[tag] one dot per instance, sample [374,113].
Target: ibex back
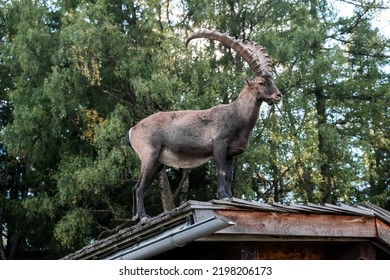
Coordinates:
[187,139]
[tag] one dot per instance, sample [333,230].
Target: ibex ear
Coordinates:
[249,82]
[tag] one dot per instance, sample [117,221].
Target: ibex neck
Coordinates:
[248,107]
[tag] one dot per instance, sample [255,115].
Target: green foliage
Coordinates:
[74,230]
[76,75]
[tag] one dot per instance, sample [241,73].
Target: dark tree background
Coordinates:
[76,75]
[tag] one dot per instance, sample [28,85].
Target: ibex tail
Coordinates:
[128,139]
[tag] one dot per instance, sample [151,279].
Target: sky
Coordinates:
[381,20]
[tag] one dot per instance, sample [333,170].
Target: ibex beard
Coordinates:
[190,138]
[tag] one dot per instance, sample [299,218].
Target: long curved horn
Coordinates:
[254,54]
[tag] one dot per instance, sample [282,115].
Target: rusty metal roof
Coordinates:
[364,209]
[193,212]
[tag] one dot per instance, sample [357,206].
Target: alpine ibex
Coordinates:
[187,139]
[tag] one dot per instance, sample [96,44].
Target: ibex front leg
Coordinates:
[229,177]
[219,153]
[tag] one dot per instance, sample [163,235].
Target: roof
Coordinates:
[239,220]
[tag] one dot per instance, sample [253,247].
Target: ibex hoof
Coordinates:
[144,219]
[224,196]
[135,218]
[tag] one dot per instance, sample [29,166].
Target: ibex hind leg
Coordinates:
[134,208]
[148,173]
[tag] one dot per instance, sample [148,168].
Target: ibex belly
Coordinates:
[177,160]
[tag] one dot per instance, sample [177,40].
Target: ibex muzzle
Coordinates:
[187,139]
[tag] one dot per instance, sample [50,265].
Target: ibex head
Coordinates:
[265,89]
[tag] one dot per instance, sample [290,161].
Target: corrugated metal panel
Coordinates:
[235,202]
[306,208]
[381,213]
